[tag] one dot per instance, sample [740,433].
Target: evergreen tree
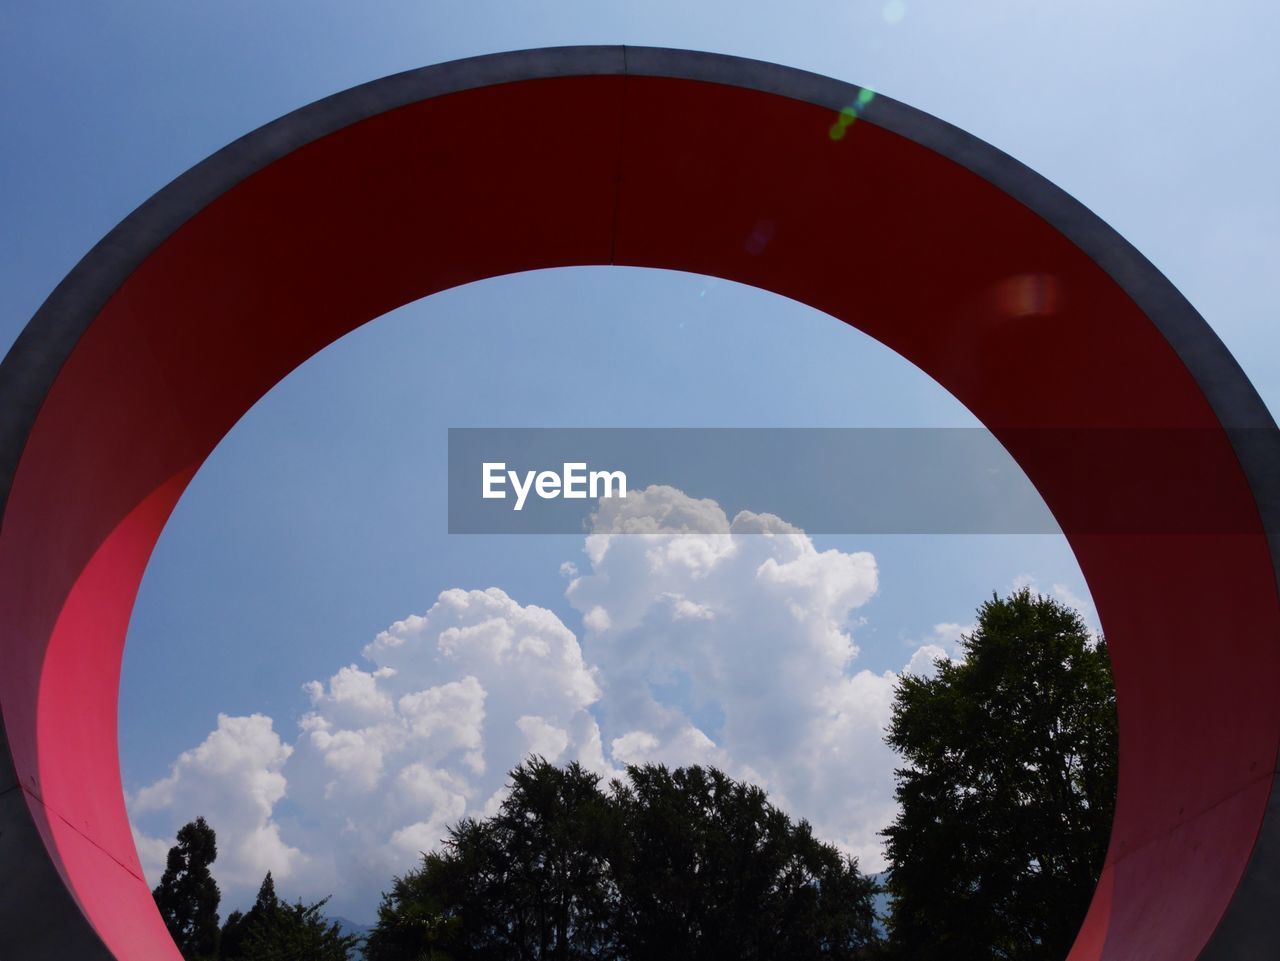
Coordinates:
[1008,791]
[296,932]
[239,925]
[187,895]
[273,930]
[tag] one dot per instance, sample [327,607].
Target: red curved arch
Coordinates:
[902,226]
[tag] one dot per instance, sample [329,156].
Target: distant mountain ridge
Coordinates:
[351,927]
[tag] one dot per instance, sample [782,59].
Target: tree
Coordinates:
[298,931]
[664,864]
[272,930]
[710,869]
[187,895]
[1007,795]
[530,882]
[239,925]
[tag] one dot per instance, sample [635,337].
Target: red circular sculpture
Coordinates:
[1022,304]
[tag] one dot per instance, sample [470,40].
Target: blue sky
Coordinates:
[317,528]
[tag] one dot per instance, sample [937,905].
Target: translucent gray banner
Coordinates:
[851,480]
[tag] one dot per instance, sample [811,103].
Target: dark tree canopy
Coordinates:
[1005,801]
[273,930]
[187,895]
[710,869]
[1008,790]
[663,865]
[239,925]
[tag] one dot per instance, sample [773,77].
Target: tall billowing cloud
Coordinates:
[726,641]
[234,779]
[448,702]
[704,639]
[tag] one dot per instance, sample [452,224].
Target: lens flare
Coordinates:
[1028,295]
[759,237]
[848,116]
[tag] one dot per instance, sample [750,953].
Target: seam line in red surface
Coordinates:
[128,870]
[617,171]
[1264,776]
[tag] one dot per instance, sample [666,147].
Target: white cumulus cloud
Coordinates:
[234,779]
[705,640]
[728,642]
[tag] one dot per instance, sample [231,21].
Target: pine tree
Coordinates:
[298,931]
[235,933]
[187,895]
[273,930]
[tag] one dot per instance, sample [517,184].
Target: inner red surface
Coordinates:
[919,253]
